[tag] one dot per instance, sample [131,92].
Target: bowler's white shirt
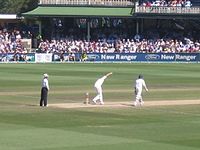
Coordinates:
[100,81]
[45,83]
[139,83]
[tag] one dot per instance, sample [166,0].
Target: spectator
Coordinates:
[188,3]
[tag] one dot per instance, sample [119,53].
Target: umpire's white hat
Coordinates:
[46,75]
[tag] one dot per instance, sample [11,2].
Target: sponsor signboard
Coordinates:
[141,57]
[27,44]
[66,57]
[111,57]
[101,57]
[43,58]
[17,57]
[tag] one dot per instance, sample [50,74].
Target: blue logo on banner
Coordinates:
[152,57]
[92,57]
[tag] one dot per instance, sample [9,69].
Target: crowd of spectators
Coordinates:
[168,3]
[11,41]
[134,45]
[169,40]
[152,42]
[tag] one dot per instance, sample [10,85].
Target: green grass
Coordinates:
[26,126]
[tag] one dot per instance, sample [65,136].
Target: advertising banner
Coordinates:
[111,57]
[66,57]
[141,57]
[43,58]
[17,57]
[27,44]
[100,57]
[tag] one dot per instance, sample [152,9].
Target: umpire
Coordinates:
[44,90]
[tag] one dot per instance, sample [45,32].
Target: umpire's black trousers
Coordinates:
[44,93]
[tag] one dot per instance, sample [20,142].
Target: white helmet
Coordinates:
[46,75]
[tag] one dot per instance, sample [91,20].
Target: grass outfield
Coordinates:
[26,126]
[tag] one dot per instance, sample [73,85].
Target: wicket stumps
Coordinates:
[86,98]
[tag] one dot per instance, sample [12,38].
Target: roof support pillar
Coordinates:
[88,30]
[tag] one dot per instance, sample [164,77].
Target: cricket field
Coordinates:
[24,125]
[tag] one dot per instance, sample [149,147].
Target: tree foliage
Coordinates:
[17,6]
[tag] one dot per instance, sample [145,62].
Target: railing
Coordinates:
[168,10]
[124,3]
[89,2]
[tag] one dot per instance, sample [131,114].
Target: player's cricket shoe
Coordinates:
[101,103]
[141,103]
[94,102]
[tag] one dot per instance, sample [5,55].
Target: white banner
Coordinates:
[42,58]
[27,44]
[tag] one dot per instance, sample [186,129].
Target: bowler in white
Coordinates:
[139,84]
[98,87]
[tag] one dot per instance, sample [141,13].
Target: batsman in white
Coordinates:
[139,84]
[98,87]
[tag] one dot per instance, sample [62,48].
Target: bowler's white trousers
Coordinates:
[99,95]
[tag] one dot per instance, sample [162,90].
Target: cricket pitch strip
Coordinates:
[126,104]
